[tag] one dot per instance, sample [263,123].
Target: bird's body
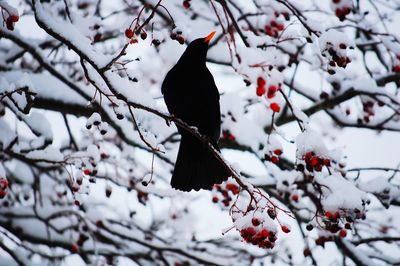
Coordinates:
[190,94]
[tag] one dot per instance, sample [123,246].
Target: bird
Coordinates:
[190,94]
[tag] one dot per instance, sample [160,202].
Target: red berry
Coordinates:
[278,152]
[320,241]
[342,46]
[261,82]
[13,18]
[306,252]
[295,197]
[396,68]
[268,30]
[285,229]
[286,15]
[255,222]
[272,91]
[180,39]
[343,233]
[314,161]
[274,23]
[260,91]
[143,35]
[134,40]
[328,215]
[232,187]
[129,33]
[275,107]
[308,156]
[97,37]
[86,172]
[3,193]
[3,183]
[271,212]
[215,199]
[77,203]
[186,4]
[99,223]
[274,159]
[336,1]
[335,216]
[74,248]
[280,27]
[327,162]
[10,25]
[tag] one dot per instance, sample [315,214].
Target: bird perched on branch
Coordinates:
[190,94]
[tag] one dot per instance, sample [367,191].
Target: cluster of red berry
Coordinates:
[11,20]
[273,156]
[368,108]
[337,57]
[342,8]
[275,26]
[130,35]
[337,223]
[262,88]
[313,162]
[3,187]
[332,224]
[262,238]
[259,233]
[226,192]
[178,36]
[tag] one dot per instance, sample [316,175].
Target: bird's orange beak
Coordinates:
[209,37]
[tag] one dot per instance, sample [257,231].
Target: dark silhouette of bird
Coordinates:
[191,95]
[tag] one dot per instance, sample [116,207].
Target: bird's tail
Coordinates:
[196,167]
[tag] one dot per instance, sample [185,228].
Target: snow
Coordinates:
[310,140]
[72,34]
[39,124]
[49,154]
[334,187]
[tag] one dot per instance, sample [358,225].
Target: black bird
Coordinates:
[190,94]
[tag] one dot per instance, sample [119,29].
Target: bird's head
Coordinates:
[197,50]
